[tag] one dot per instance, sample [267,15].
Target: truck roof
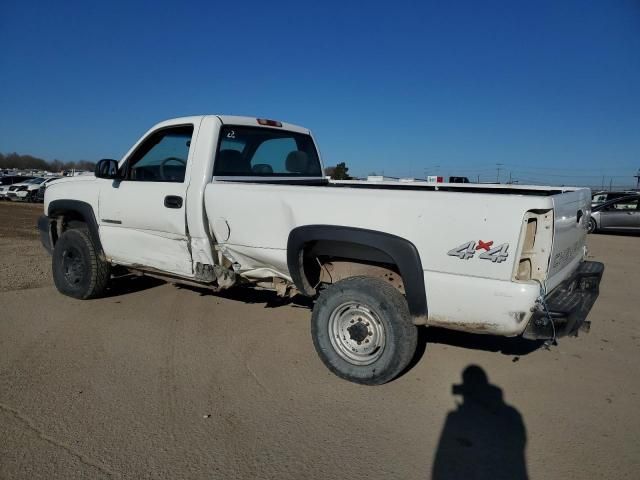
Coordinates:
[230,120]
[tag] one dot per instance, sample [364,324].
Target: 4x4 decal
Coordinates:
[468,250]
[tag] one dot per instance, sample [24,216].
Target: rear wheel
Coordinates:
[362,330]
[593,226]
[78,271]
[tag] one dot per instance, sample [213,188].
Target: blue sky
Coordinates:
[549,89]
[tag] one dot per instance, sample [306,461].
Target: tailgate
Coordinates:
[571,212]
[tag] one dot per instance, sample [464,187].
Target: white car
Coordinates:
[7,181]
[220,201]
[31,184]
[28,190]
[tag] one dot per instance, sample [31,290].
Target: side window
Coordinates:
[162,157]
[631,204]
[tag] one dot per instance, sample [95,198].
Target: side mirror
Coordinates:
[107,168]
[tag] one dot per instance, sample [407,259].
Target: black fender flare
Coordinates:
[404,254]
[82,209]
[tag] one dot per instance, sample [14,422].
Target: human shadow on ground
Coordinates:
[483,438]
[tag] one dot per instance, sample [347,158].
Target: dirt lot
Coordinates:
[23,262]
[158,381]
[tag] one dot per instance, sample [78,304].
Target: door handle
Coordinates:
[173,201]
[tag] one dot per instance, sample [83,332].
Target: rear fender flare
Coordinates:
[403,253]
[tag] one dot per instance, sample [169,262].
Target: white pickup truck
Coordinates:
[222,201]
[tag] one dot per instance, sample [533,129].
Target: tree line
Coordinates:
[29,162]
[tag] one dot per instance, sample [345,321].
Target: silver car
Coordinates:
[621,214]
[599,198]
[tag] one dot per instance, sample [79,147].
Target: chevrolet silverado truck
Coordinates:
[222,201]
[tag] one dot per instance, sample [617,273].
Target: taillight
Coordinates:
[269,123]
[536,237]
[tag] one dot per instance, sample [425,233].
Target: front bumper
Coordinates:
[568,305]
[44,227]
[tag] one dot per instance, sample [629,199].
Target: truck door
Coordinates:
[142,217]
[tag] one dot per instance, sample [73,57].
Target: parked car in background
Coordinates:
[24,190]
[599,198]
[9,180]
[620,214]
[39,195]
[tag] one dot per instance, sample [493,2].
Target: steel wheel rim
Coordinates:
[72,265]
[357,334]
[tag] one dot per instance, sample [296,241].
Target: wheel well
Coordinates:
[65,214]
[64,220]
[327,261]
[368,252]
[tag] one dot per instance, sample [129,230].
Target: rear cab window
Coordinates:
[265,153]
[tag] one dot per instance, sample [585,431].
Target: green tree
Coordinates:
[339,172]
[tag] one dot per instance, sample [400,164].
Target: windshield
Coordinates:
[265,152]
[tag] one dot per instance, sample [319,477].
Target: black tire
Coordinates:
[78,271]
[593,226]
[369,306]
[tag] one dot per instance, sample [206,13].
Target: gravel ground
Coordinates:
[160,382]
[24,263]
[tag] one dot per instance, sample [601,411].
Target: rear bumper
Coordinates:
[567,305]
[44,227]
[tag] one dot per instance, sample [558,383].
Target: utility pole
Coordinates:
[637,175]
[498,166]
[510,182]
[610,182]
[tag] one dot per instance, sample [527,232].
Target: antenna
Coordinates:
[498,168]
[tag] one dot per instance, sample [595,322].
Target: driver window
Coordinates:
[162,157]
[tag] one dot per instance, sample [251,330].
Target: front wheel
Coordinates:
[362,330]
[78,270]
[593,226]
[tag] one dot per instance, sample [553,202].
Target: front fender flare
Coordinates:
[82,209]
